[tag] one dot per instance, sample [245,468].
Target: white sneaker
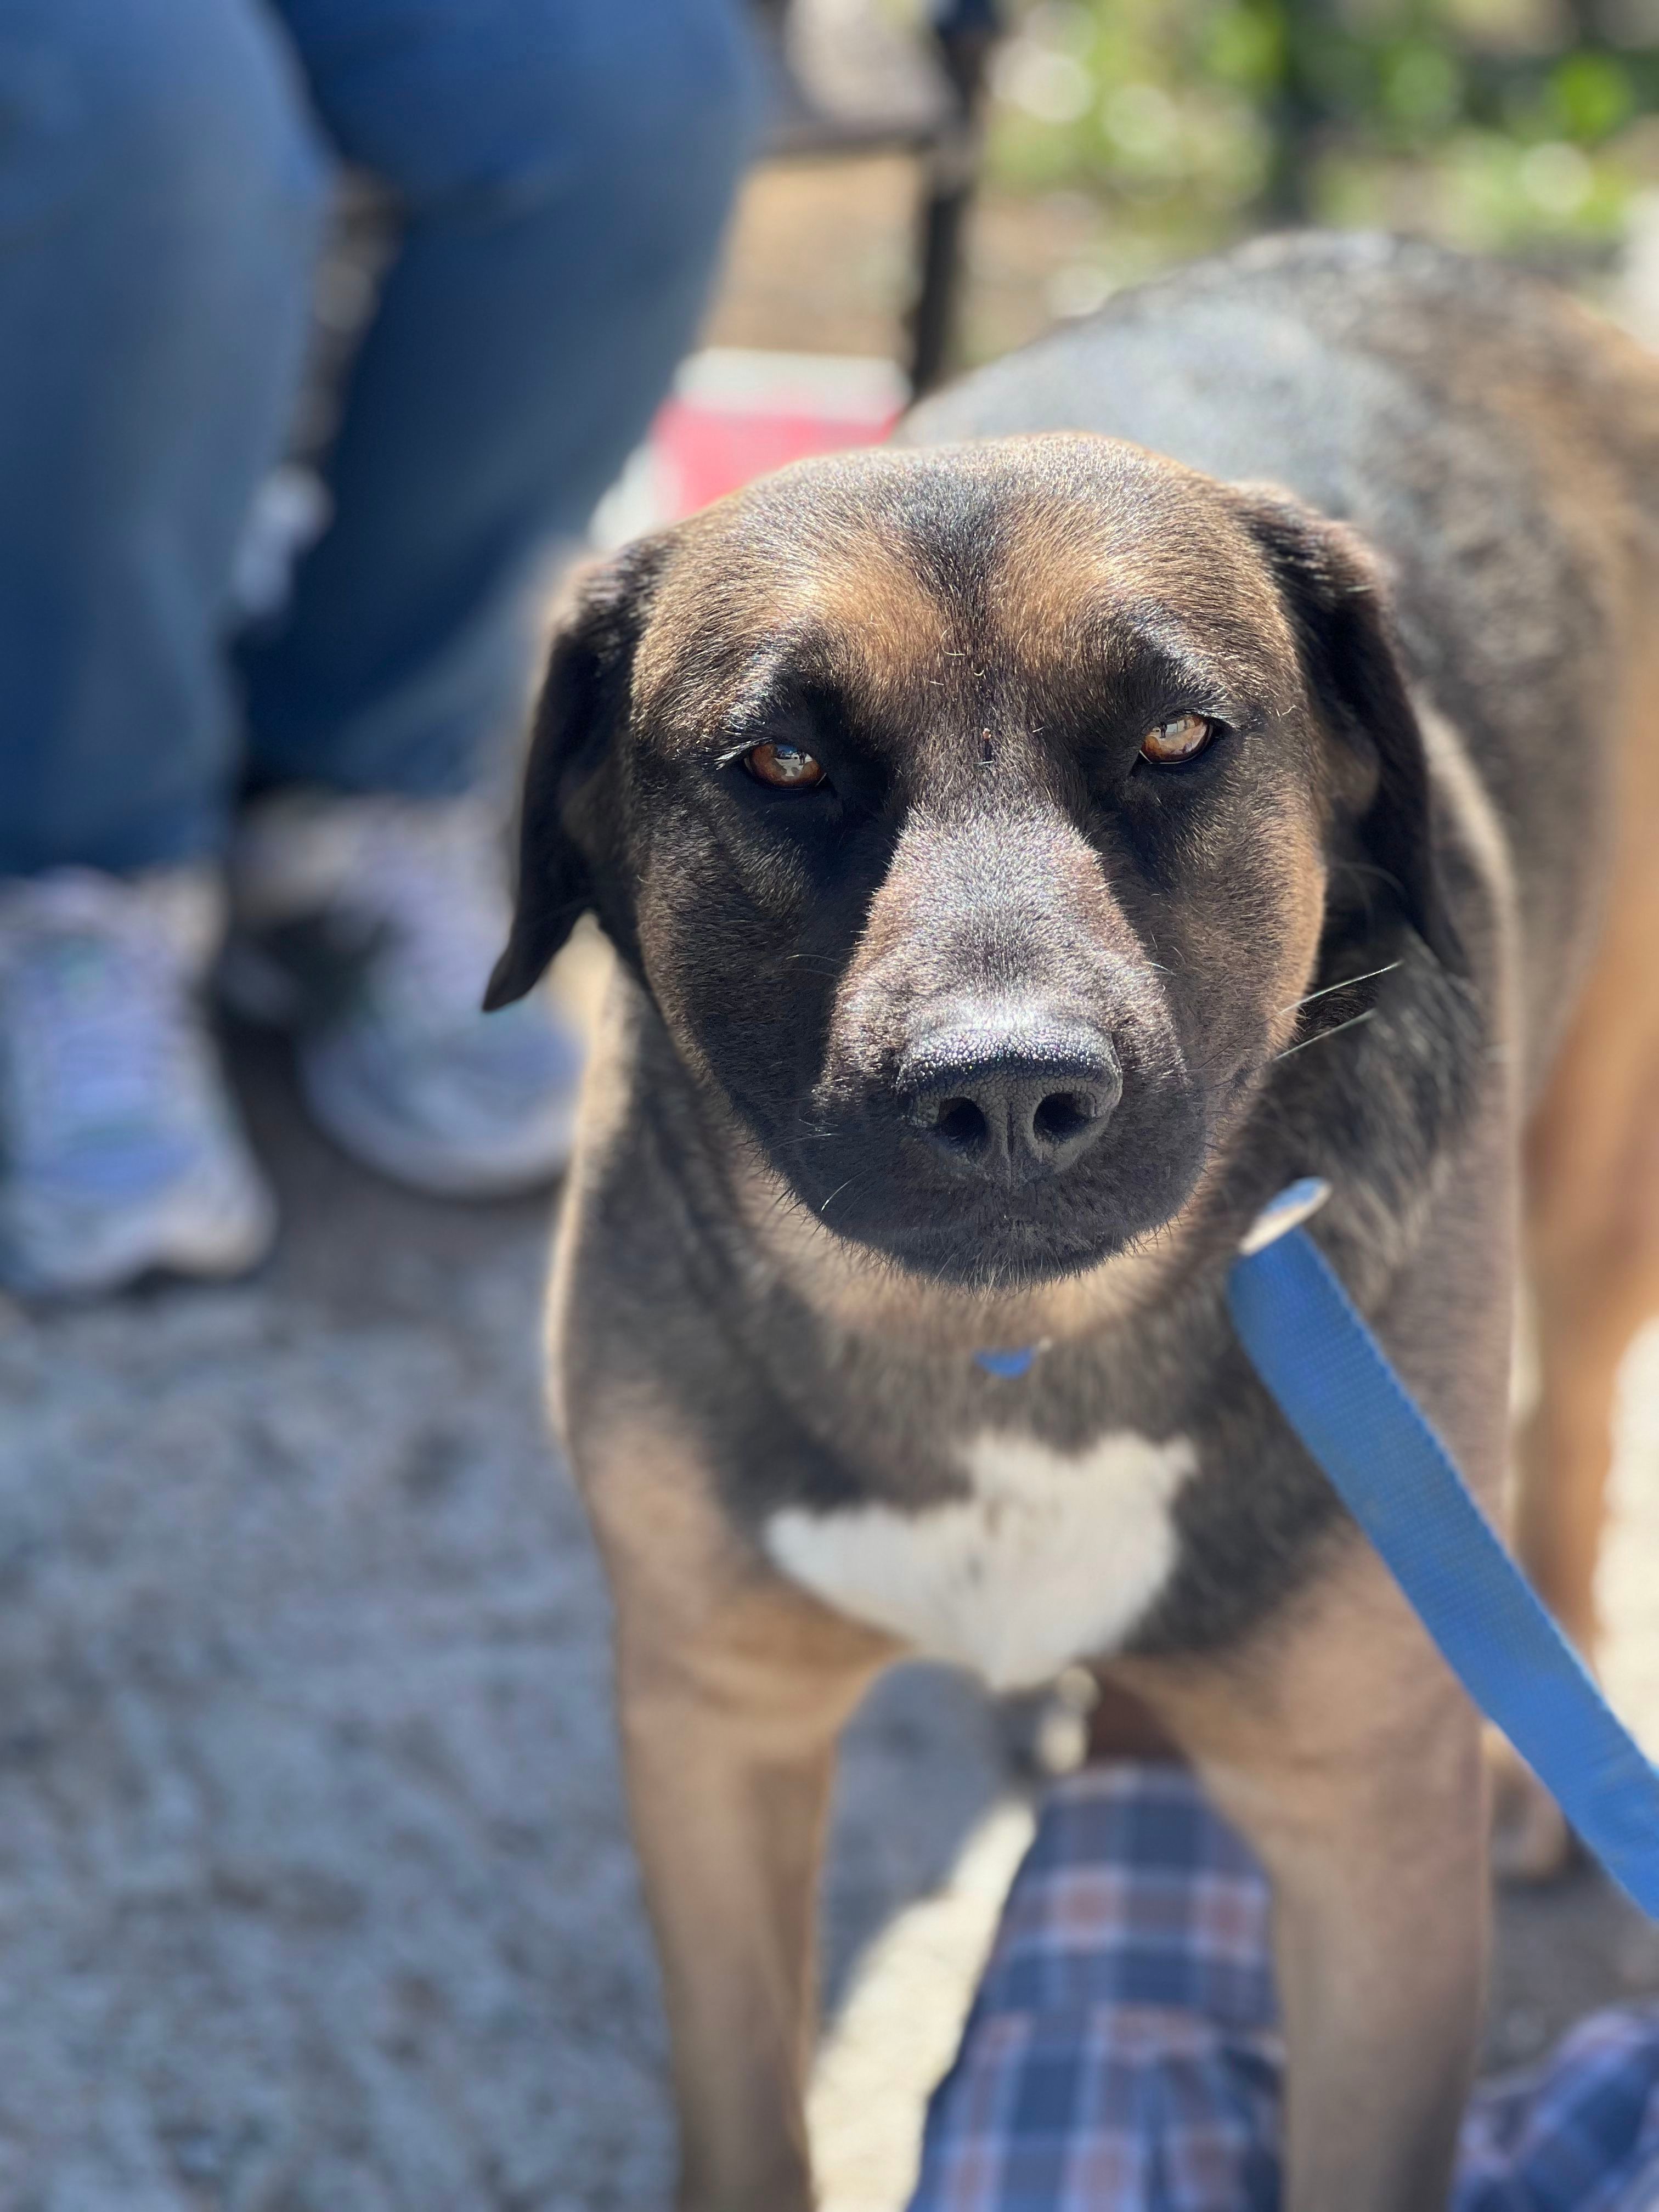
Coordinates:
[120,1148]
[369,924]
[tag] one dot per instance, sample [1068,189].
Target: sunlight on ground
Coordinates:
[896,2031]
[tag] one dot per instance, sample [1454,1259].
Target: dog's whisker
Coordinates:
[856,1183]
[1343,983]
[1324,1036]
[1367,868]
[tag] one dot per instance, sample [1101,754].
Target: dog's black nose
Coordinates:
[1015,1108]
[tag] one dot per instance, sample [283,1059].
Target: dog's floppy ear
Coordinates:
[1337,601]
[582,705]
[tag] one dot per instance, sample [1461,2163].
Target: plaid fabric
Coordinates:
[1122,2053]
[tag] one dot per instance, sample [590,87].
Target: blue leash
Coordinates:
[1331,1382]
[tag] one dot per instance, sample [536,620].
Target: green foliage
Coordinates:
[1515,124]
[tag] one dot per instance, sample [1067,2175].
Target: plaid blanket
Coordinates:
[1121,2054]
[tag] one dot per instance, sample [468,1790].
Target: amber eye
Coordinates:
[785,767]
[1183,738]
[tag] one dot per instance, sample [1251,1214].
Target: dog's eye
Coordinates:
[1183,738]
[785,767]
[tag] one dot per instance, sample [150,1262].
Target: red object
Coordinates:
[735,415]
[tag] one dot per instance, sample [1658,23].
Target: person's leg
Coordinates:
[161,193]
[564,168]
[161,198]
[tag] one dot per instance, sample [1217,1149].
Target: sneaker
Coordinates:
[120,1148]
[368,924]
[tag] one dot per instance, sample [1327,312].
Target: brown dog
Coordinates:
[1025,857]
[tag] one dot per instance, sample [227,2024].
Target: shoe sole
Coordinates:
[148,1245]
[259,990]
[362,1132]
[256,988]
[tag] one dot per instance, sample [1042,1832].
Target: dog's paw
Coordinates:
[1531,1841]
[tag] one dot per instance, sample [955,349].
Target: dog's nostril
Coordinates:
[962,1125]
[1064,1115]
[1013,1108]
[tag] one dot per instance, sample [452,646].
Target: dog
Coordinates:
[1217,746]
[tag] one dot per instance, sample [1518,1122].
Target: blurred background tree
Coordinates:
[1522,126]
[1125,134]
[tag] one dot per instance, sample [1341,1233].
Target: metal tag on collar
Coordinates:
[1296,1203]
[1007,1366]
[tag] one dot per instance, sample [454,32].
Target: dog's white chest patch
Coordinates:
[1052,1557]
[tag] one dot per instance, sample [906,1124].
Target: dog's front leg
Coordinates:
[732,1690]
[1342,1749]
[728,1781]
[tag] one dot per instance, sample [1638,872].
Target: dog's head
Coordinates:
[974,818]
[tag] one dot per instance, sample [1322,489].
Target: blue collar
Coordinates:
[1331,1382]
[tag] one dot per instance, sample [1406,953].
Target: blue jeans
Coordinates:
[563,168]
